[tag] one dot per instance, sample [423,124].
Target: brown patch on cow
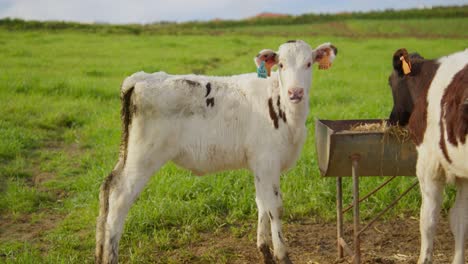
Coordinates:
[442,144]
[454,108]
[127,112]
[281,114]
[208,89]
[418,120]
[418,82]
[210,102]
[272,112]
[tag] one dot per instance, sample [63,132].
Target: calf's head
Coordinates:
[408,80]
[294,60]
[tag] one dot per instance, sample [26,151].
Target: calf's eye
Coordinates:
[281,65]
[309,64]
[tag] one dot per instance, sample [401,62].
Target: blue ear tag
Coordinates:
[261,71]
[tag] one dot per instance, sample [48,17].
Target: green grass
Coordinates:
[60,118]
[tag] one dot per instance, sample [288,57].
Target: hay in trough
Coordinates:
[369,127]
[400,133]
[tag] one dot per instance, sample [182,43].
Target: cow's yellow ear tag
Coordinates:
[405,65]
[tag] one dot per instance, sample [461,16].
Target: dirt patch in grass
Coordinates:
[27,227]
[387,242]
[53,147]
[33,225]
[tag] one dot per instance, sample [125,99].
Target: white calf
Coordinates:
[208,124]
[432,97]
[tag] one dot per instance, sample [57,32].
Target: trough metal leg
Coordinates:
[357,246]
[339,215]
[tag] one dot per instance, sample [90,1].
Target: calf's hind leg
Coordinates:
[118,192]
[431,185]
[459,220]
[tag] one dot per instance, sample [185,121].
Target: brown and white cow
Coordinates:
[431,97]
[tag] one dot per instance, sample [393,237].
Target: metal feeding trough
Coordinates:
[342,152]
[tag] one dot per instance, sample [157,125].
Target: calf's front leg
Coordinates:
[270,208]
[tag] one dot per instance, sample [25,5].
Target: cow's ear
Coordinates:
[401,62]
[324,55]
[269,57]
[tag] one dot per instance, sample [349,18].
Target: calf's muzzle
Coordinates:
[295,94]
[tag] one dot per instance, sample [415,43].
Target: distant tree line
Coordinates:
[167,26]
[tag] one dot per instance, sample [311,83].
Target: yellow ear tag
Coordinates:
[405,65]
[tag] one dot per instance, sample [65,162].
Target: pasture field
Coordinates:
[60,134]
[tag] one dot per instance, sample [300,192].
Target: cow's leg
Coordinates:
[119,191]
[263,232]
[459,220]
[431,185]
[269,203]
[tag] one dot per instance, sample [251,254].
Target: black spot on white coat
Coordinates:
[191,83]
[275,190]
[208,89]
[210,102]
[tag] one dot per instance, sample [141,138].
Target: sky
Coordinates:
[149,11]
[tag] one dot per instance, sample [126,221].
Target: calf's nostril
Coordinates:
[296,93]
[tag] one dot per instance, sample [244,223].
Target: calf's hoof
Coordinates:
[285,260]
[424,261]
[266,254]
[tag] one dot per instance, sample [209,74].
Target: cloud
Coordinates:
[147,11]
[136,11]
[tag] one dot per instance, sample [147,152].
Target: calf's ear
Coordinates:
[269,57]
[401,62]
[324,55]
